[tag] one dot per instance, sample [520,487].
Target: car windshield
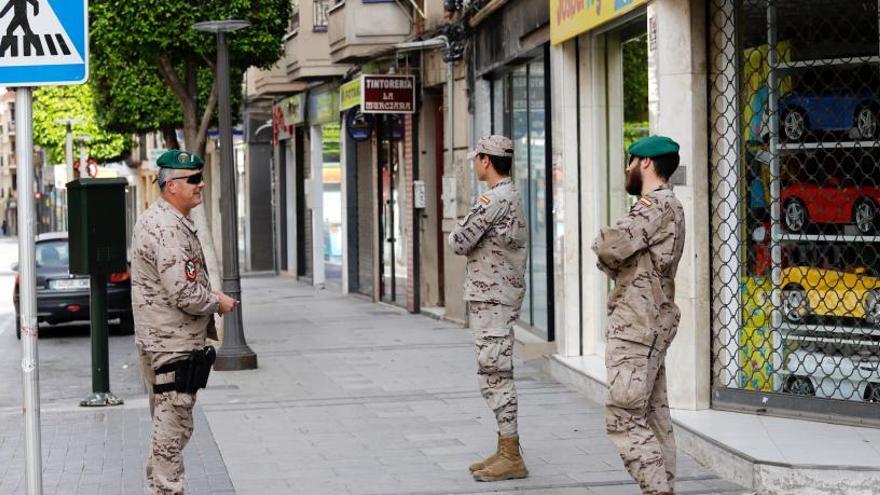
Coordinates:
[53,254]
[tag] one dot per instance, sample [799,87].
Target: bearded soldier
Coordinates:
[173,308]
[494,237]
[641,254]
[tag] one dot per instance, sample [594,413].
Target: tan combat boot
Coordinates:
[508,466]
[489,460]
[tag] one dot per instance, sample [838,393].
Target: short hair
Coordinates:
[665,165]
[166,174]
[501,164]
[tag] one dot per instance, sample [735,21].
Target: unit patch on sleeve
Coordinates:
[190,270]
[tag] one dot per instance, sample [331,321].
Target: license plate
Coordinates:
[69,284]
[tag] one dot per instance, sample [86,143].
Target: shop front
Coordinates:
[516,85]
[379,152]
[795,157]
[294,239]
[620,72]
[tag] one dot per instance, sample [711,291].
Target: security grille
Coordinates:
[795,190]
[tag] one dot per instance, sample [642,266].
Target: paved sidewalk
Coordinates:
[351,397]
[355,397]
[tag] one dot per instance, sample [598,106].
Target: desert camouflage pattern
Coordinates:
[492,145]
[492,326]
[641,253]
[172,414]
[494,237]
[171,295]
[637,415]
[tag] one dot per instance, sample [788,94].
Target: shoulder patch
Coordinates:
[646,201]
[484,199]
[190,270]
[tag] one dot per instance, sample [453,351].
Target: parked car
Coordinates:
[810,292]
[804,203]
[803,114]
[63,297]
[815,373]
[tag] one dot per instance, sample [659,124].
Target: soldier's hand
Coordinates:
[227,303]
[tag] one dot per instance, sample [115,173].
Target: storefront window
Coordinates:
[518,110]
[796,205]
[332,203]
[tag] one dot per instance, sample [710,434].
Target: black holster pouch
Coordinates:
[190,373]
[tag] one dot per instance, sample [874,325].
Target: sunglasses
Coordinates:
[194,179]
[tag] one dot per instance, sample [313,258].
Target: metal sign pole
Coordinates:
[24,153]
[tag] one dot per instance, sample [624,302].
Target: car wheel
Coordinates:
[795,305]
[872,307]
[126,324]
[794,124]
[795,216]
[799,385]
[866,123]
[872,392]
[865,216]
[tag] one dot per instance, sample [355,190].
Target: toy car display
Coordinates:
[804,114]
[847,376]
[817,292]
[804,203]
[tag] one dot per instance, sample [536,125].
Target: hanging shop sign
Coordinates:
[350,94]
[388,94]
[569,18]
[324,106]
[358,125]
[294,109]
[380,93]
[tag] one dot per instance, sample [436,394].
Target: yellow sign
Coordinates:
[569,18]
[350,94]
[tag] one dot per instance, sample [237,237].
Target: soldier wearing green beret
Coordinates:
[641,254]
[173,307]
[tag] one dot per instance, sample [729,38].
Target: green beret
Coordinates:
[652,146]
[180,160]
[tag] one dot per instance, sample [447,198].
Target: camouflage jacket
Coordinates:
[171,295]
[641,253]
[494,236]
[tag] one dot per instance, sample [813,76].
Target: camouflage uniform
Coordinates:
[173,312]
[494,236]
[641,253]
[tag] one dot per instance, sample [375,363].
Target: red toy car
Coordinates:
[830,203]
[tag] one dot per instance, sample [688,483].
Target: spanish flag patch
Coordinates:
[645,201]
[484,199]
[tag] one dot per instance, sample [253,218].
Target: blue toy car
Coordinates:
[803,114]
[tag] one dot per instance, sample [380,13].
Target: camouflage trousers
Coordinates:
[492,326]
[172,414]
[637,415]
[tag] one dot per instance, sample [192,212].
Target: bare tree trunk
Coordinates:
[185,93]
[169,134]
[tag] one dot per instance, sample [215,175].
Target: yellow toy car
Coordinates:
[821,292]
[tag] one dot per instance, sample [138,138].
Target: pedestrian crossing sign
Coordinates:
[43,42]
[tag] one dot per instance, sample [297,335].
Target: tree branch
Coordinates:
[208,113]
[167,72]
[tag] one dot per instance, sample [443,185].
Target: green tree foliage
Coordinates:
[635,79]
[60,102]
[147,57]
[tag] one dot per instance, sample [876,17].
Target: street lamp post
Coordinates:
[234,354]
[68,145]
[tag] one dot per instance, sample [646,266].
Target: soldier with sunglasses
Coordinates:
[174,309]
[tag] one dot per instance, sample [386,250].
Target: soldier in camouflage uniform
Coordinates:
[173,308]
[641,254]
[494,237]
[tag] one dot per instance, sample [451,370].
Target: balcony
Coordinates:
[358,28]
[307,49]
[267,83]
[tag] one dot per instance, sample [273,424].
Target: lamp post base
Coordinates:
[101,399]
[235,358]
